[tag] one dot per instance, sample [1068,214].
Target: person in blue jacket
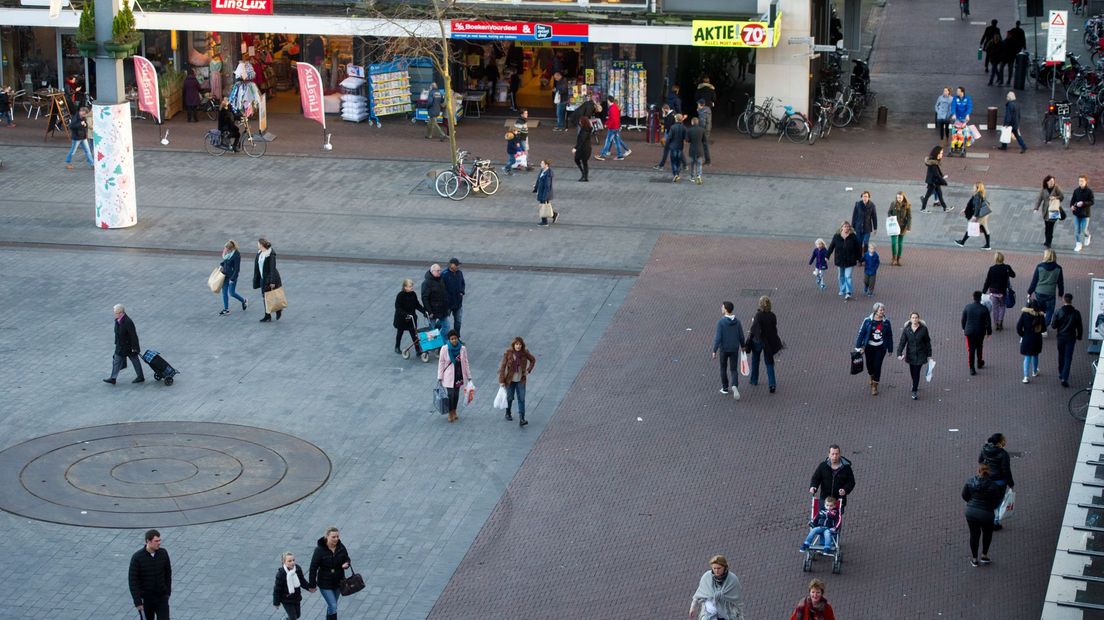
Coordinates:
[729,341]
[961,106]
[874,340]
[455,288]
[230,267]
[543,189]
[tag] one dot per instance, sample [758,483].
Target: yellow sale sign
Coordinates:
[710,33]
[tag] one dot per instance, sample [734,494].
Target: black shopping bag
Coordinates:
[856,362]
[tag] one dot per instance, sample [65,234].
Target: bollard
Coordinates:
[883,115]
[991,118]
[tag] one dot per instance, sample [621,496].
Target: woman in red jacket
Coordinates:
[814,606]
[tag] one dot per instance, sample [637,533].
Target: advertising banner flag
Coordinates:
[149,99]
[310,93]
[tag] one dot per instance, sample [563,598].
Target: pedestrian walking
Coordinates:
[1047,284]
[977,210]
[435,298]
[977,325]
[126,347]
[1051,195]
[935,180]
[453,371]
[1068,328]
[265,275]
[455,289]
[327,569]
[814,606]
[192,97]
[864,219]
[1081,203]
[943,114]
[434,107]
[407,308]
[1012,120]
[997,284]
[674,99]
[915,348]
[901,209]
[561,95]
[705,119]
[845,245]
[998,57]
[543,189]
[517,362]
[231,268]
[719,596]
[982,498]
[6,114]
[728,340]
[819,261]
[513,147]
[675,139]
[706,92]
[996,458]
[990,39]
[150,578]
[874,339]
[695,136]
[763,340]
[1030,330]
[78,135]
[288,588]
[668,122]
[871,261]
[583,148]
[613,133]
[521,131]
[833,477]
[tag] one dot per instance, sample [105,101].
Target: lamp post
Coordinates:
[113,142]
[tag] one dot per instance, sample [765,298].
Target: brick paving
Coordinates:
[646,470]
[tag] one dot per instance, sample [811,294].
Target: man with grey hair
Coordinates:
[1012,120]
[126,346]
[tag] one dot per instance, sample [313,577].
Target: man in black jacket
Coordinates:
[864,219]
[976,324]
[150,577]
[1081,204]
[126,346]
[78,133]
[668,121]
[833,477]
[990,39]
[1067,323]
[676,137]
[435,298]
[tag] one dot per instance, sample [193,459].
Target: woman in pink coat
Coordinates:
[453,371]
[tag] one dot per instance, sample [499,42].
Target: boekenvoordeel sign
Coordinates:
[519,31]
[242,7]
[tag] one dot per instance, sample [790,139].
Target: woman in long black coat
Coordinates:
[935,179]
[407,308]
[915,348]
[1030,328]
[265,275]
[982,497]
[583,148]
[763,339]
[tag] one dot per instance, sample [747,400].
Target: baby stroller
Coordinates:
[836,552]
[961,139]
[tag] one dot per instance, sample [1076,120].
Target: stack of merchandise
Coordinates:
[354,104]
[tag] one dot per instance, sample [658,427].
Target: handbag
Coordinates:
[893,228]
[856,362]
[984,210]
[275,300]
[1054,209]
[440,396]
[352,584]
[216,280]
[546,209]
[1006,134]
[1010,298]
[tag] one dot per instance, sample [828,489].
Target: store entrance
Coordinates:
[498,67]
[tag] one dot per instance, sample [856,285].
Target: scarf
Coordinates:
[226,255]
[454,352]
[517,361]
[292,580]
[719,601]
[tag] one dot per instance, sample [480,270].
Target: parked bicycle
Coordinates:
[822,126]
[1056,122]
[743,121]
[1084,125]
[220,142]
[1079,403]
[793,125]
[457,183]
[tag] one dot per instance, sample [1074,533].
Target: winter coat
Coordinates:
[819,258]
[848,250]
[446,370]
[508,366]
[707,93]
[827,518]
[1082,195]
[231,266]
[764,330]
[917,344]
[676,136]
[126,337]
[695,135]
[989,38]
[1030,329]
[150,577]
[864,217]
[973,206]
[1042,202]
[674,101]
[1000,464]
[227,119]
[270,277]
[613,117]
[280,593]
[407,305]
[935,174]
[1067,323]
[729,337]
[326,570]
[943,107]
[829,481]
[1047,280]
[976,320]
[1012,115]
[871,261]
[982,497]
[513,145]
[78,128]
[543,186]
[806,611]
[961,107]
[903,212]
[869,332]
[434,296]
[191,91]
[583,144]
[998,279]
[454,288]
[436,102]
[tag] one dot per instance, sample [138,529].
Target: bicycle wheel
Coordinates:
[442,178]
[1080,128]
[826,126]
[253,146]
[796,129]
[1066,129]
[458,188]
[842,116]
[759,125]
[1076,87]
[815,131]
[742,123]
[1091,132]
[488,182]
[1079,404]
[211,147]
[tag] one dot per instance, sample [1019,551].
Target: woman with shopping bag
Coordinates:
[982,497]
[874,340]
[1011,125]
[1049,202]
[977,217]
[762,340]
[454,372]
[996,457]
[517,362]
[230,267]
[267,278]
[915,348]
[898,222]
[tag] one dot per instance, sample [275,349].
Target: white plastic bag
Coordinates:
[745,367]
[1007,506]
[931,367]
[973,229]
[469,393]
[1006,134]
[521,160]
[500,401]
[893,227]
[987,301]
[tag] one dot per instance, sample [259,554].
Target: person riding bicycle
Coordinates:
[228,123]
[833,477]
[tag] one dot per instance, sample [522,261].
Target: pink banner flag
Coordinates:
[310,93]
[148,95]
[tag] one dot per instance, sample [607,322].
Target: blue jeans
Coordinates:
[561,115]
[1031,363]
[516,388]
[663,160]
[228,291]
[512,160]
[864,239]
[768,359]
[1080,227]
[73,149]
[6,115]
[696,166]
[814,532]
[1066,346]
[845,281]
[331,597]
[1048,307]
[613,138]
[457,315]
[441,323]
[676,161]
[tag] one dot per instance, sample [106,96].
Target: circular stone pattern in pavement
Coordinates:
[158,474]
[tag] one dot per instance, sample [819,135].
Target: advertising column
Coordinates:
[113,147]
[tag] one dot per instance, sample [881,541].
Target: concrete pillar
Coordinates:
[783,72]
[113,141]
[852,26]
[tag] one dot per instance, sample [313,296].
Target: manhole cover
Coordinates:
[157,474]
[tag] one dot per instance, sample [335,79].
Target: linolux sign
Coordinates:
[709,33]
[242,7]
[519,31]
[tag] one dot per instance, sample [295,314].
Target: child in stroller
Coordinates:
[961,139]
[825,525]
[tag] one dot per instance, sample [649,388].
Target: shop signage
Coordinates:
[310,93]
[517,31]
[145,75]
[709,33]
[242,7]
[1096,310]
